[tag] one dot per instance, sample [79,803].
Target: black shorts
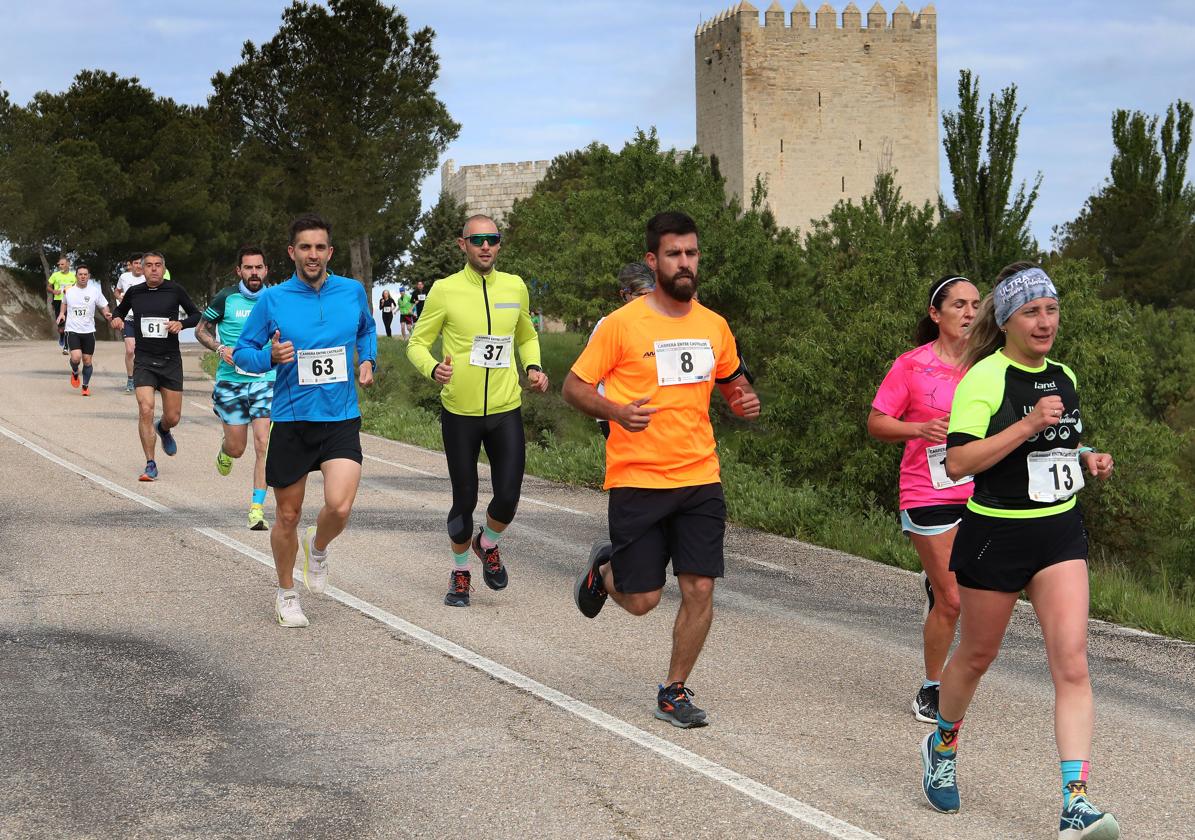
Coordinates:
[130,327]
[163,373]
[1003,555]
[84,342]
[407,319]
[650,527]
[931,520]
[298,447]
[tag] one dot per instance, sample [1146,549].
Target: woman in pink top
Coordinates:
[912,407]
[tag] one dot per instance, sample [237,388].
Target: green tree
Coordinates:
[340,103]
[990,226]
[435,254]
[1140,226]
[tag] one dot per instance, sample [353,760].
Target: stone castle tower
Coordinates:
[818,111]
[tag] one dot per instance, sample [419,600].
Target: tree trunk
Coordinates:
[361,265]
[45,267]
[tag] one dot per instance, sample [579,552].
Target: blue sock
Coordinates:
[75,368]
[946,737]
[931,683]
[489,535]
[1074,779]
[87,369]
[461,561]
[259,496]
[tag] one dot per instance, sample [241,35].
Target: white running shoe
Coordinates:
[289,611]
[315,572]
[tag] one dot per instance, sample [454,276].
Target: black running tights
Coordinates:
[505,446]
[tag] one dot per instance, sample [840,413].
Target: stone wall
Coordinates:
[491,188]
[23,314]
[818,111]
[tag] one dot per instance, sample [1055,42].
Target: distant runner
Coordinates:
[157,363]
[406,314]
[133,277]
[661,357]
[79,303]
[240,399]
[58,282]
[387,305]
[634,281]
[310,328]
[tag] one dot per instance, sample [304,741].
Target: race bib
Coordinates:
[684,361]
[79,311]
[317,367]
[936,456]
[1054,476]
[153,327]
[245,372]
[491,351]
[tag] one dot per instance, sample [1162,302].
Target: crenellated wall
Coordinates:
[819,103]
[491,188]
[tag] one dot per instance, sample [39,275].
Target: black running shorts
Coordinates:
[1003,555]
[298,447]
[650,527]
[163,373]
[84,342]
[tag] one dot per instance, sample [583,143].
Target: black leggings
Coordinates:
[387,320]
[502,436]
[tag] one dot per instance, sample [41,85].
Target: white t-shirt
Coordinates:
[127,281]
[80,306]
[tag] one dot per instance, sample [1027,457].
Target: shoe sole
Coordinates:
[144,477]
[449,603]
[924,770]
[491,584]
[929,597]
[580,583]
[1106,828]
[259,526]
[917,714]
[663,715]
[308,536]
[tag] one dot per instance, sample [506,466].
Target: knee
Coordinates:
[503,509]
[340,509]
[287,517]
[1071,668]
[145,410]
[946,606]
[697,589]
[977,660]
[641,603]
[234,449]
[170,418]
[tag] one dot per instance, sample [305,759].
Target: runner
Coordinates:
[157,361]
[308,328]
[420,297]
[660,357]
[58,282]
[79,303]
[483,316]
[241,400]
[406,314]
[912,407]
[634,281]
[1016,426]
[386,306]
[129,279]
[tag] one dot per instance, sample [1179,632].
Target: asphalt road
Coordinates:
[145,690]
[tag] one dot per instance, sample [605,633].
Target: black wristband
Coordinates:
[535,367]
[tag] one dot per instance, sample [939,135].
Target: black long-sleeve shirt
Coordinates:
[161,301]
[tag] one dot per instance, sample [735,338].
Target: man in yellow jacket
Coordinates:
[484,317]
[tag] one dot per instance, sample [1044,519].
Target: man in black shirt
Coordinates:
[157,362]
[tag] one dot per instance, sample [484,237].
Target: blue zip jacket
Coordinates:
[336,316]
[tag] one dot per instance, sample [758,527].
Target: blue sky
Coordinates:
[530,80]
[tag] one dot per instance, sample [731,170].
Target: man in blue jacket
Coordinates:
[308,329]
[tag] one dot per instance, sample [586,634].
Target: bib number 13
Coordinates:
[1054,475]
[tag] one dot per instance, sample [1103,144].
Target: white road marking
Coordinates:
[795,808]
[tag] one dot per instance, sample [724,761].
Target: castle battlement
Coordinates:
[825,21]
[492,188]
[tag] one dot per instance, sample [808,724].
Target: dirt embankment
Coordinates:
[23,314]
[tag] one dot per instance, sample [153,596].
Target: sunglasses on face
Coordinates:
[479,239]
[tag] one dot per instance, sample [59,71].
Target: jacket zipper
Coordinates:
[489,328]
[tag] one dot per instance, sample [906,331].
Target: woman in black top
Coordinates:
[387,305]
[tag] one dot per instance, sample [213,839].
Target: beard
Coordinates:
[680,286]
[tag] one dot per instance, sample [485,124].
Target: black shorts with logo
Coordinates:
[650,527]
[163,373]
[1003,555]
[298,447]
[83,342]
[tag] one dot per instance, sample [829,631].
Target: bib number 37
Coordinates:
[684,361]
[491,351]
[1054,475]
[317,367]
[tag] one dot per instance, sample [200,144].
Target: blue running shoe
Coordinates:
[938,783]
[673,705]
[168,444]
[1081,821]
[151,472]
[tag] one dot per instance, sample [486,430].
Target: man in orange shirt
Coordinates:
[660,357]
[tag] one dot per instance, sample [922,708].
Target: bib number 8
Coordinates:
[686,362]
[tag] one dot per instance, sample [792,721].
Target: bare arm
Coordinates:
[888,429]
[741,397]
[979,455]
[634,416]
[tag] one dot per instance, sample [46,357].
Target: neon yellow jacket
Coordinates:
[60,281]
[460,307]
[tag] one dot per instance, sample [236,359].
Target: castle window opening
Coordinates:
[860,145]
[844,183]
[781,145]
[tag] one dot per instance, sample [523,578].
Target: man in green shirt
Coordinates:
[60,281]
[406,314]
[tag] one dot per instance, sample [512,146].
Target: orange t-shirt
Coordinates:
[640,353]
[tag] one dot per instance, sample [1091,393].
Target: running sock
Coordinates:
[282,593]
[87,369]
[75,368]
[489,537]
[946,738]
[1074,779]
[931,683]
[461,561]
[259,496]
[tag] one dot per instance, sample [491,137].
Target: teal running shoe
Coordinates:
[168,444]
[938,783]
[1082,821]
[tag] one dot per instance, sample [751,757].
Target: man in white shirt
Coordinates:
[128,280]
[79,303]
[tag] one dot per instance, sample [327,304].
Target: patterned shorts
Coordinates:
[236,403]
